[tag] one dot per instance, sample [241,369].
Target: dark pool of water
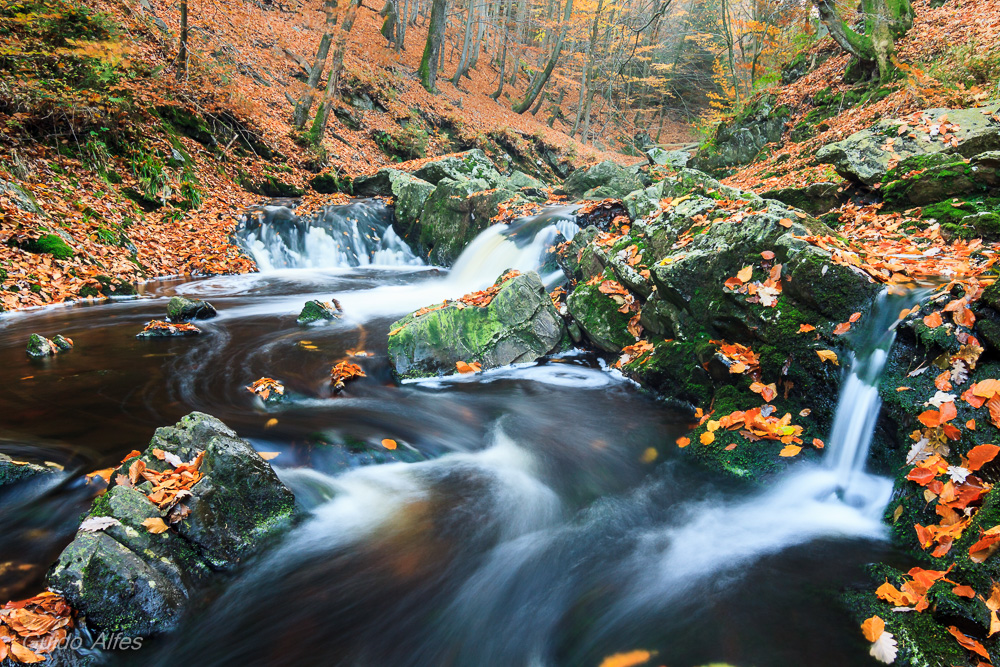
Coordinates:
[517,523]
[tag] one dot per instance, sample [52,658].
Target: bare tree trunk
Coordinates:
[588,68]
[543,77]
[481,23]
[326,106]
[432,49]
[182,50]
[463,62]
[304,105]
[403,21]
[503,56]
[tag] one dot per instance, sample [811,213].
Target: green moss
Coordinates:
[50,244]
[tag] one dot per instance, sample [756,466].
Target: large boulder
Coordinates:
[129,573]
[603,180]
[662,157]
[472,164]
[454,214]
[519,324]
[409,192]
[740,141]
[868,155]
[815,199]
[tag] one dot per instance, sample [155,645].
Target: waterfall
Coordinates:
[858,406]
[355,234]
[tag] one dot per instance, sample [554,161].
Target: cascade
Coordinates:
[355,234]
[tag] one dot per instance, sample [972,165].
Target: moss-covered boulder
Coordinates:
[470,165]
[319,311]
[599,317]
[180,309]
[522,181]
[606,179]
[661,157]
[867,156]
[409,192]
[519,324]
[739,141]
[454,214]
[128,572]
[815,199]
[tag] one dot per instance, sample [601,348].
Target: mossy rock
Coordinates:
[180,309]
[108,287]
[319,311]
[48,244]
[13,471]
[126,579]
[520,324]
[597,314]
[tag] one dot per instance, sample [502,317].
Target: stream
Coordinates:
[517,523]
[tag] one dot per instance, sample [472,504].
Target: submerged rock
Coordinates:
[161,329]
[132,574]
[40,346]
[12,471]
[180,309]
[519,324]
[315,311]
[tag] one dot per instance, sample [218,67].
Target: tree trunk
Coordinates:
[326,106]
[432,49]
[182,50]
[466,42]
[401,27]
[503,56]
[304,105]
[588,67]
[885,22]
[477,45]
[543,77]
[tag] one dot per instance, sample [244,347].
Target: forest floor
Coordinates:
[104,241]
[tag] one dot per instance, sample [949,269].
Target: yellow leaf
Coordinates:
[828,355]
[707,438]
[267,456]
[155,525]
[649,455]
[629,659]
[790,450]
[745,274]
[271,422]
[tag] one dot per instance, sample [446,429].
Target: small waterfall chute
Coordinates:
[356,234]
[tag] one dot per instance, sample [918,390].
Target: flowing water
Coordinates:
[516,524]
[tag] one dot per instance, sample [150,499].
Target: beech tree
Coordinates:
[885,21]
[541,78]
[432,49]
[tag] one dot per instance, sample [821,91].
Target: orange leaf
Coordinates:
[745,274]
[683,442]
[933,321]
[767,254]
[155,525]
[817,443]
[389,443]
[785,222]
[841,328]
[707,438]
[964,591]
[790,450]
[630,659]
[968,642]
[981,455]
[873,628]
[806,328]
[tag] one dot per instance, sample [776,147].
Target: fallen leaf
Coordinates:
[745,273]
[629,659]
[707,438]
[828,355]
[968,642]
[964,591]
[683,442]
[267,456]
[806,328]
[155,525]
[933,321]
[389,443]
[790,450]
[93,524]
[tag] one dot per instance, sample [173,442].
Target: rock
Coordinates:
[468,165]
[180,309]
[600,214]
[454,214]
[410,194]
[20,198]
[161,329]
[986,168]
[315,311]
[64,344]
[603,180]
[12,471]
[690,180]
[129,580]
[641,203]
[519,325]
[520,180]
[864,156]
[665,158]
[40,346]
[985,224]
[598,316]
[815,199]
[740,141]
